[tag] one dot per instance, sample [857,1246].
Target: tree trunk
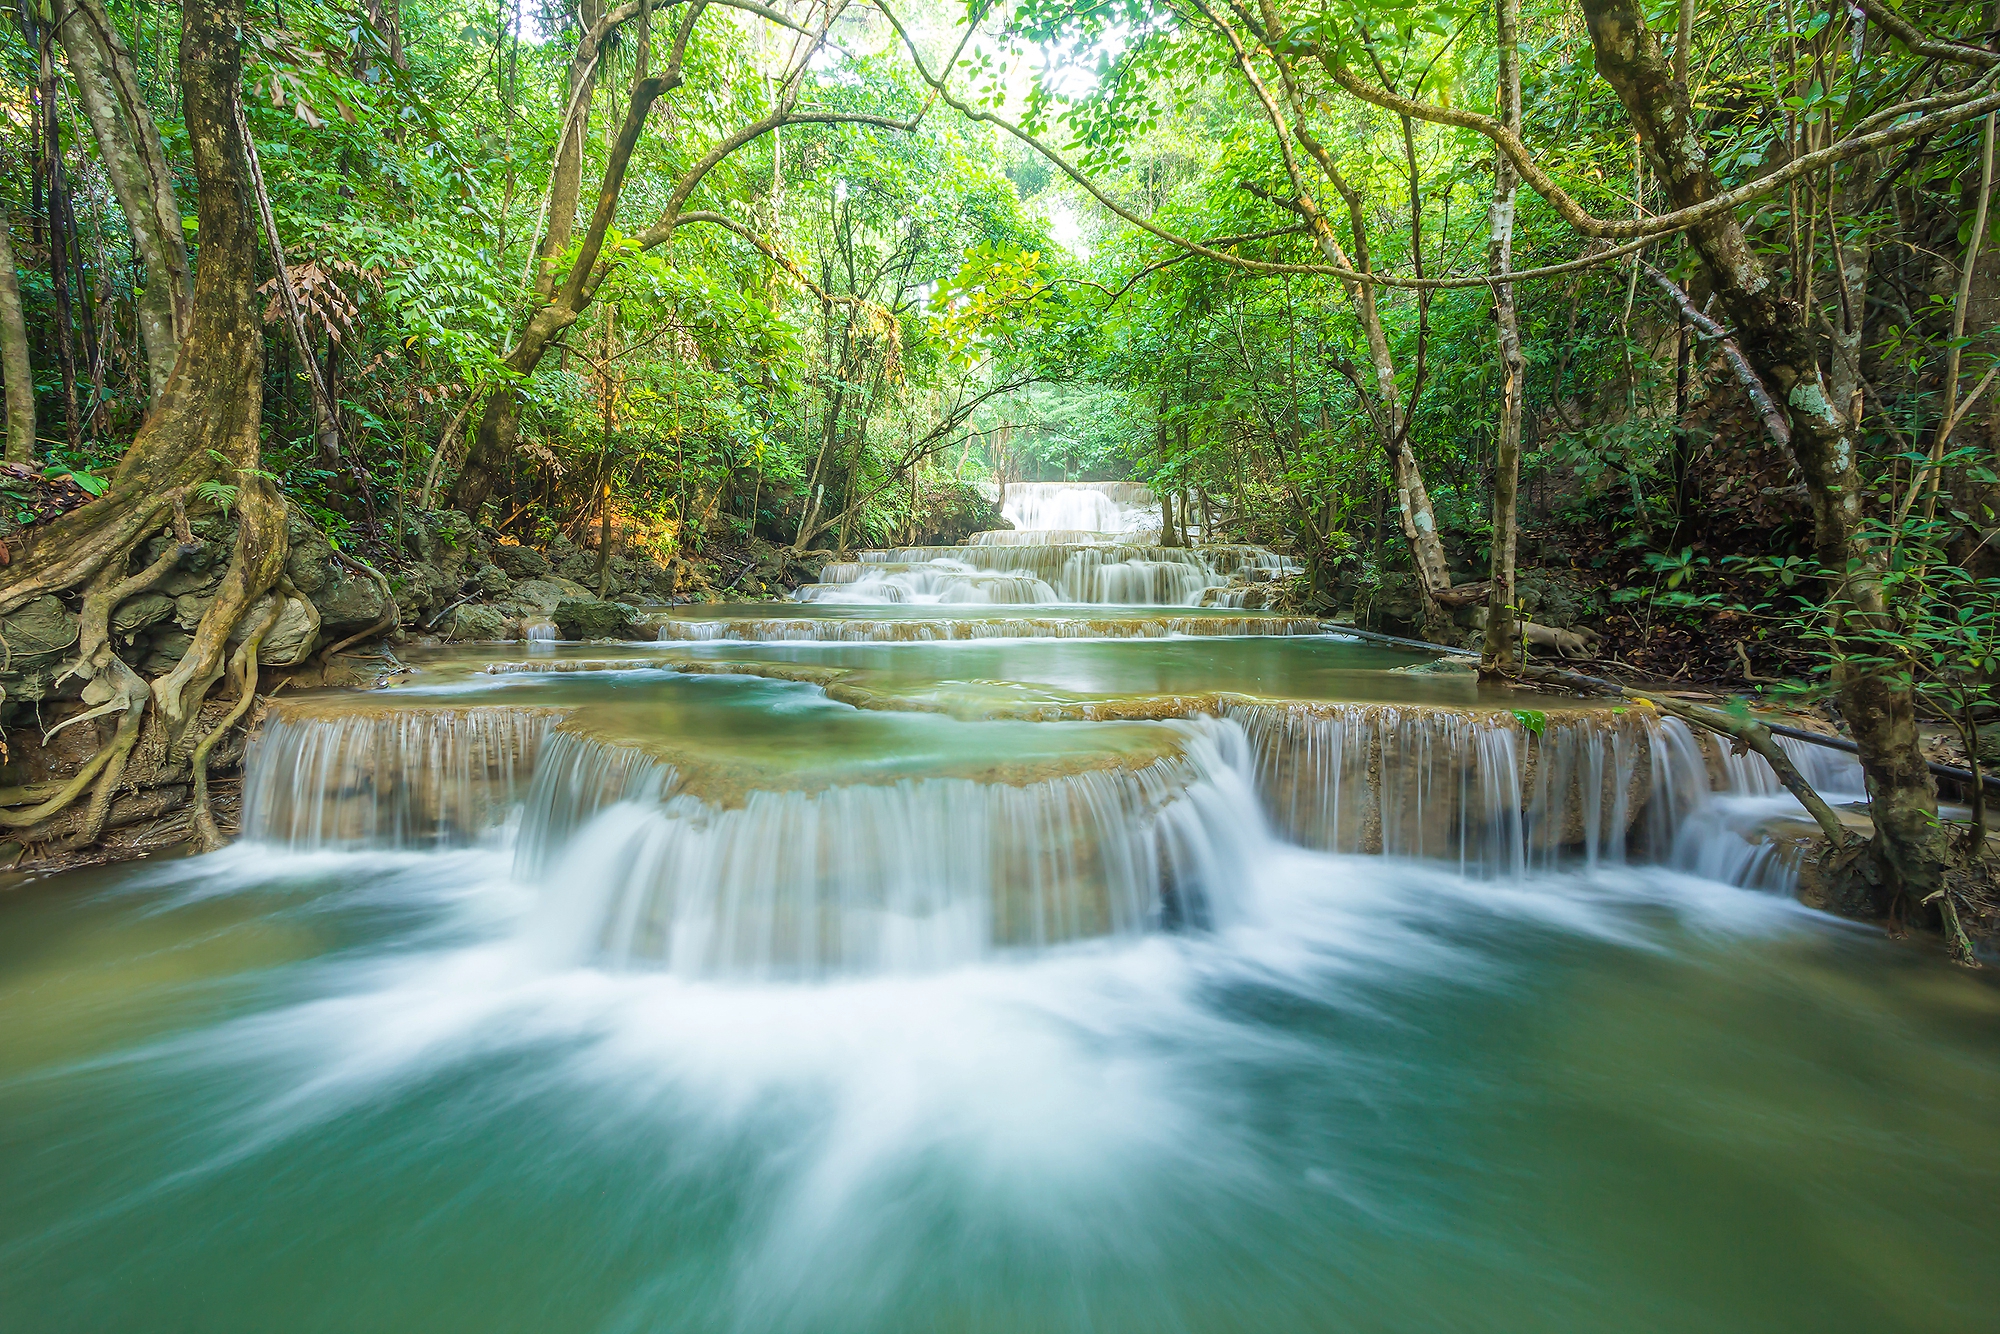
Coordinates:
[14,362]
[566,178]
[1500,636]
[1772,330]
[128,143]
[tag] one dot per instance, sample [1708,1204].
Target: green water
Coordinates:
[259,1091]
[1029,670]
[384,1091]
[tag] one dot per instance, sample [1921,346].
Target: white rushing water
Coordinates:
[937,872]
[1072,542]
[485,1025]
[1109,509]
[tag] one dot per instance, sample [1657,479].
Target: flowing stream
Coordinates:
[882,967]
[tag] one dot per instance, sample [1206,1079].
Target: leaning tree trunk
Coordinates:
[1773,332]
[203,428]
[14,362]
[128,143]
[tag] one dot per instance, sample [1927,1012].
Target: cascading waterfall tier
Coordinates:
[1103,574]
[388,778]
[1476,788]
[1109,508]
[914,875]
[816,629]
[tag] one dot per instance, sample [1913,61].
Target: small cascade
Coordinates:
[1726,835]
[545,630]
[909,876]
[1103,508]
[1025,573]
[1475,788]
[401,778]
[810,629]
[1471,787]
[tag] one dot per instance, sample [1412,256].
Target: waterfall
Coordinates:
[636,868]
[1092,507]
[909,876]
[1099,573]
[1475,788]
[941,629]
[400,778]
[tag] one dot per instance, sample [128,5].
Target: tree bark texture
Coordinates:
[1774,334]
[566,179]
[1499,647]
[14,362]
[128,143]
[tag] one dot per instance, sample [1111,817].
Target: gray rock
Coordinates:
[593,620]
[38,633]
[289,641]
[348,602]
[521,562]
[473,621]
[165,648]
[491,580]
[136,613]
[189,608]
[197,570]
[310,559]
[544,594]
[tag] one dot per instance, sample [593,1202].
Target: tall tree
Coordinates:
[135,161]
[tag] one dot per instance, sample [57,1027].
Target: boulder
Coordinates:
[490,580]
[136,613]
[521,562]
[198,569]
[189,608]
[542,595]
[165,647]
[349,602]
[593,620]
[470,621]
[287,643]
[309,562]
[39,633]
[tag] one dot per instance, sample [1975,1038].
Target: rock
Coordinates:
[287,643]
[349,602]
[1561,598]
[198,569]
[593,620]
[165,648]
[38,633]
[544,594]
[490,580]
[471,620]
[1569,643]
[189,608]
[308,564]
[136,613]
[521,562]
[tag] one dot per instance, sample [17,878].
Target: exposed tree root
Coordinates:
[253,571]
[255,566]
[110,759]
[243,666]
